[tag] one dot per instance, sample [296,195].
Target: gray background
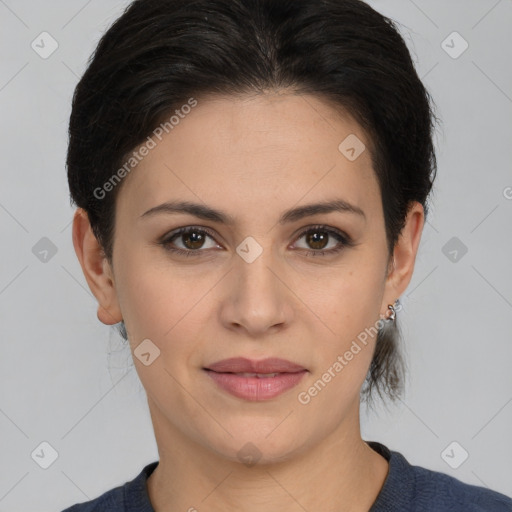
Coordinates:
[67,380]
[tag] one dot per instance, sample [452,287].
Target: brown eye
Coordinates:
[191,238]
[319,237]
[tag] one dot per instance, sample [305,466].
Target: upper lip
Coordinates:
[243,365]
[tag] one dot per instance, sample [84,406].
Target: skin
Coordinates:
[253,157]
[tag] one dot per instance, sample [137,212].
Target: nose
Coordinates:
[256,297]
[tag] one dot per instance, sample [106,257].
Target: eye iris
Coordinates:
[196,237]
[314,238]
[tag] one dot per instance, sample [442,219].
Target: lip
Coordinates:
[244,365]
[225,374]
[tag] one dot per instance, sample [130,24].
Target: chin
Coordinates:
[258,444]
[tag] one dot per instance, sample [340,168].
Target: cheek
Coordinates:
[341,370]
[170,308]
[348,311]
[153,300]
[164,310]
[348,301]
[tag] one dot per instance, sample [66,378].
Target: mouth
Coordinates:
[257,375]
[255,380]
[268,366]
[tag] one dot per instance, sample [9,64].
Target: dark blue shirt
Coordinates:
[407,488]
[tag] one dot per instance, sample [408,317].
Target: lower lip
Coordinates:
[254,388]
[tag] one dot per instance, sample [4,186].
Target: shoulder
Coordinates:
[415,488]
[130,497]
[450,494]
[112,500]
[447,493]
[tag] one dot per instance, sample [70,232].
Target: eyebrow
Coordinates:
[207,213]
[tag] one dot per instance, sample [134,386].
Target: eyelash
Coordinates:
[343,239]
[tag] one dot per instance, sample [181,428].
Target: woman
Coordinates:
[252,179]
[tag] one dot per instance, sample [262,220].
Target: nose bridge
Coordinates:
[255,264]
[256,295]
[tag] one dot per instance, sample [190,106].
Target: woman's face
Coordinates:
[258,286]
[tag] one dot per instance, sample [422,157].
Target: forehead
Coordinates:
[254,150]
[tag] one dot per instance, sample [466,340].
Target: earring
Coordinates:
[392,315]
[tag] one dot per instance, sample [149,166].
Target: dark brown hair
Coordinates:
[160,53]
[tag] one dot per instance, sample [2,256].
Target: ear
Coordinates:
[96,269]
[401,265]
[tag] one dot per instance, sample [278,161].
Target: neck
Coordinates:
[340,473]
